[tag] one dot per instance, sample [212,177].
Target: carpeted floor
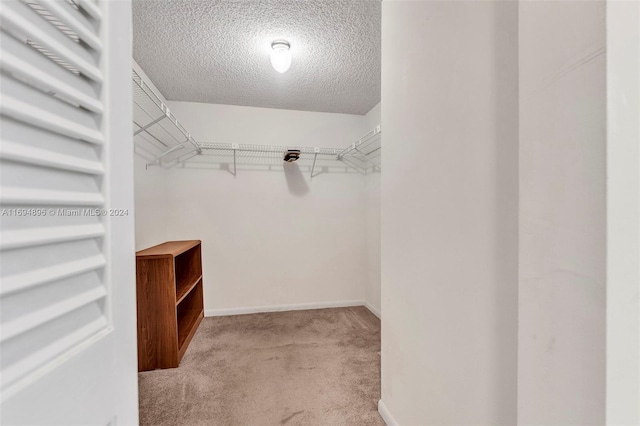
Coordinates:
[315,367]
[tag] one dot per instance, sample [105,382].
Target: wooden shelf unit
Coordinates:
[170,302]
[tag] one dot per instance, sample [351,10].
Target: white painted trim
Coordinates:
[386,414]
[373,310]
[281,308]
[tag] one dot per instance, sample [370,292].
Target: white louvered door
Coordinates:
[67,289]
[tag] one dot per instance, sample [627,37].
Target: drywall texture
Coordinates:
[561,362]
[219,52]
[372,218]
[269,237]
[449,212]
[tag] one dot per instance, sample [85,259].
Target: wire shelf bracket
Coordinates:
[359,155]
[155,120]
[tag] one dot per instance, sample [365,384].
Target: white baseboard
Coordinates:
[282,308]
[386,415]
[373,310]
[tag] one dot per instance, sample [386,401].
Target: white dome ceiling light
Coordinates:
[281,55]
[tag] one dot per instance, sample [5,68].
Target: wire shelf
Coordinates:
[165,142]
[365,153]
[155,126]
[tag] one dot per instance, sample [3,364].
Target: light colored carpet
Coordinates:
[315,367]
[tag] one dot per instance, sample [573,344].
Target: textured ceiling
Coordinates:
[218,52]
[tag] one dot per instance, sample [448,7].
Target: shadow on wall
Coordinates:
[295,180]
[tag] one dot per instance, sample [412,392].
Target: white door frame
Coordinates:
[623,212]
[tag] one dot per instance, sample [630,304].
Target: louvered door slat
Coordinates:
[77,117]
[74,20]
[34,319]
[12,64]
[45,353]
[39,197]
[91,8]
[41,276]
[40,157]
[30,136]
[12,239]
[52,77]
[25,24]
[22,111]
[53,338]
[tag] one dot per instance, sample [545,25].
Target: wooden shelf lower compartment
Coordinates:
[190,312]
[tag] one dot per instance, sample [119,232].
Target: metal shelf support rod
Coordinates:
[315,157]
[349,164]
[146,126]
[367,159]
[235,148]
[167,152]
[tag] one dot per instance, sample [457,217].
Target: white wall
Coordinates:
[623,213]
[372,118]
[449,212]
[372,215]
[269,237]
[561,357]
[150,204]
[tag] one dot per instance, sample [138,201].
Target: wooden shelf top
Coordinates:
[168,249]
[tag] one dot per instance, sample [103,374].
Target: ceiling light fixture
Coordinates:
[280,55]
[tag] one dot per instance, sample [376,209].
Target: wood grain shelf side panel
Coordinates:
[156,320]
